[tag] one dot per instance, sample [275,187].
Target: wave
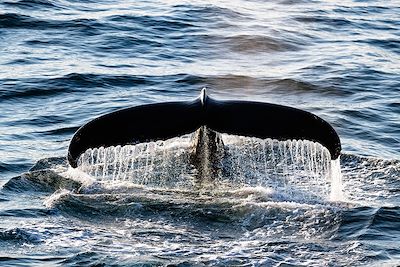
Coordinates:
[26,213]
[248,44]
[334,22]
[89,258]
[33,4]
[21,21]
[205,12]
[81,82]
[156,23]
[32,88]
[368,223]
[387,44]
[259,86]
[45,180]
[21,236]
[13,167]
[244,209]
[371,181]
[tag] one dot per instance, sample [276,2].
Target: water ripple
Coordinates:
[64,62]
[33,4]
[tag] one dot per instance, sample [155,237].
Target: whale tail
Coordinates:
[162,121]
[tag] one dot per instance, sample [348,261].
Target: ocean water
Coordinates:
[64,62]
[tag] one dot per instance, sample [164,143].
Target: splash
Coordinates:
[298,169]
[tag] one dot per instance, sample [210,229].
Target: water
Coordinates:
[64,62]
[286,166]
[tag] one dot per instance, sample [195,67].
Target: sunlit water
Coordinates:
[65,62]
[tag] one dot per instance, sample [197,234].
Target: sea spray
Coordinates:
[299,169]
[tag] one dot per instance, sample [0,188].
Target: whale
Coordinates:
[208,118]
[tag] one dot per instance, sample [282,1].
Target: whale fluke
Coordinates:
[162,121]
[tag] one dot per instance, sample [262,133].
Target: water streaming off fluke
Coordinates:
[160,164]
[297,169]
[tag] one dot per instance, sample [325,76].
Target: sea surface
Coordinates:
[65,62]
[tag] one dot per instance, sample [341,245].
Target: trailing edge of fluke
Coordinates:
[161,121]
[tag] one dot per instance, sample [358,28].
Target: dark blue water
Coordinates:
[64,62]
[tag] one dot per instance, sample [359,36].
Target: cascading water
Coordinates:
[157,164]
[336,181]
[297,169]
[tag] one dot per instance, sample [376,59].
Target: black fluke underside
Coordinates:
[162,121]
